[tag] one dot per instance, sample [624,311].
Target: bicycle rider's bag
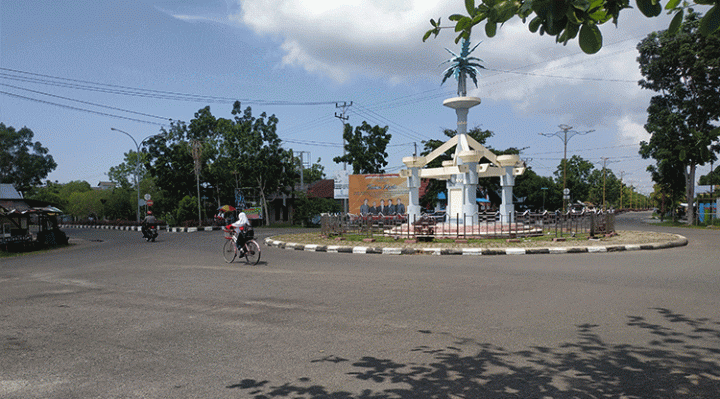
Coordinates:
[248,232]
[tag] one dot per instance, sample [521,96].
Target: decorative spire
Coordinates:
[462,66]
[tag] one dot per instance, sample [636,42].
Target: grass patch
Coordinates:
[503,240]
[670,223]
[5,254]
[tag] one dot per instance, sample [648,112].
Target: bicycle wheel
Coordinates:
[252,255]
[229,251]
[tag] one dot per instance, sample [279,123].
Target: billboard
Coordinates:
[376,188]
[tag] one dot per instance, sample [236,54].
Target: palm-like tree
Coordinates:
[462,66]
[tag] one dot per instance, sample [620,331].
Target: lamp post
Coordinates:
[565,135]
[137,165]
[543,191]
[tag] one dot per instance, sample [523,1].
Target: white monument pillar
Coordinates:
[507,181]
[414,211]
[462,187]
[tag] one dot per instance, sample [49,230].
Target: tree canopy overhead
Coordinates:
[568,19]
[23,163]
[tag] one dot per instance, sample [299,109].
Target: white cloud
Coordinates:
[632,130]
[345,39]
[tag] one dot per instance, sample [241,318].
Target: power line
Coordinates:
[82,109]
[85,102]
[31,77]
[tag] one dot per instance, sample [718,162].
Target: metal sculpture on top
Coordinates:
[462,66]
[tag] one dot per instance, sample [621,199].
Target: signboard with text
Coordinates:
[253,213]
[340,178]
[376,188]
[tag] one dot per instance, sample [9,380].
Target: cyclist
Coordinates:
[241,226]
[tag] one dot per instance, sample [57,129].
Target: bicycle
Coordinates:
[250,250]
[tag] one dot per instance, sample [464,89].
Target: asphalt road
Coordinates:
[116,317]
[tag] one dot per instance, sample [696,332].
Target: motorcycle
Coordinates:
[150,233]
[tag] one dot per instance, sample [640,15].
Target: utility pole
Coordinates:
[343,117]
[302,167]
[622,189]
[565,134]
[196,154]
[605,162]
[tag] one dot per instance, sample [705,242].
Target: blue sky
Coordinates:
[297,59]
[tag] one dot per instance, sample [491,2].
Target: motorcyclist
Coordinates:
[240,226]
[148,221]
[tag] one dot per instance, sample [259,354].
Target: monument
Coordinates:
[471,159]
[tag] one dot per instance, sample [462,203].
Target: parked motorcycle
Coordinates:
[150,233]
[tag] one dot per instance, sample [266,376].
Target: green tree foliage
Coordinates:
[170,162]
[307,208]
[244,151]
[123,175]
[578,176]
[57,194]
[86,204]
[252,147]
[685,70]
[669,179]
[712,178]
[568,19]
[314,173]
[530,185]
[604,180]
[186,209]
[23,163]
[309,175]
[365,148]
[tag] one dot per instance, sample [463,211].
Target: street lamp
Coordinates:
[543,191]
[565,135]
[137,165]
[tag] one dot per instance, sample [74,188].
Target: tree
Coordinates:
[578,176]
[123,175]
[309,175]
[685,70]
[566,19]
[365,148]
[530,186]
[307,208]
[57,194]
[710,179]
[242,152]
[23,163]
[251,146]
[604,185]
[670,184]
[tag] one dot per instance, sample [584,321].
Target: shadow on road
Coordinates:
[675,362]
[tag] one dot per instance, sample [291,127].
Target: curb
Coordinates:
[137,228]
[271,242]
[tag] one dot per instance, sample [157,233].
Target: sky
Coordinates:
[73,70]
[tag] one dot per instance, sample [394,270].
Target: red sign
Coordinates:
[149,202]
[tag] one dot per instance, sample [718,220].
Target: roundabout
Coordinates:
[623,241]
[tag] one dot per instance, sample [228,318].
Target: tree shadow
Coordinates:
[675,363]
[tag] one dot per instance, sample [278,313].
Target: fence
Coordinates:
[488,225]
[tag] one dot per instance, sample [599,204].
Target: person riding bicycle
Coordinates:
[148,221]
[241,226]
